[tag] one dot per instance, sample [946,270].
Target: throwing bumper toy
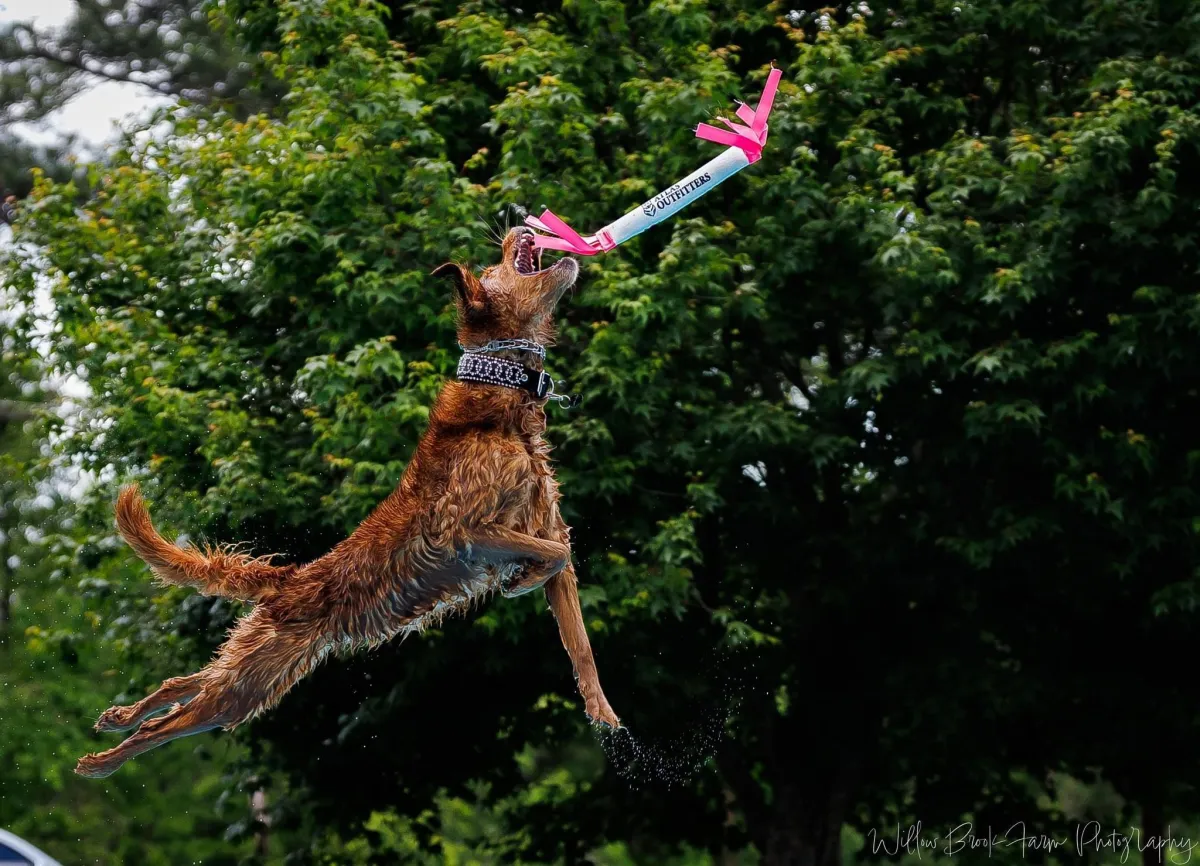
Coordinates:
[745,140]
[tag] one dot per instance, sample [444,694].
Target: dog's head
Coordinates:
[514,299]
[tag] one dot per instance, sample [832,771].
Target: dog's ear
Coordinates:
[469,289]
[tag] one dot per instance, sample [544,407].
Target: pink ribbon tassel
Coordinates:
[749,136]
[752,137]
[562,237]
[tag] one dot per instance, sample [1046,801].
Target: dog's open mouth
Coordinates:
[527,259]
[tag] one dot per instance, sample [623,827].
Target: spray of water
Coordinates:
[674,759]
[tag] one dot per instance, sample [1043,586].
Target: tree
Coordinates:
[180,49]
[56,668]
[17,159]
[16,448]
[175,48]
[879,408]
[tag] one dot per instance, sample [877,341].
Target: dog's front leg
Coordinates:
[541,558]
[563,595]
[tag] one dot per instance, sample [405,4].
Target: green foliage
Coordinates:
[903,407]
[56,673]
[56,677]
[18,157]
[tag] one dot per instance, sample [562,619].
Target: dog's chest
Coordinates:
[531,507]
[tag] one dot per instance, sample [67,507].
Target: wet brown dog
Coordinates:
[476,511]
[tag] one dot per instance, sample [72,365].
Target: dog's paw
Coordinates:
[601,714]
[93,767]
[114,719]
[519,582]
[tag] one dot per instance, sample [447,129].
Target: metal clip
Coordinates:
[567,401]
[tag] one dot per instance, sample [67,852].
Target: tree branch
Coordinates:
[77,64]
[13,411]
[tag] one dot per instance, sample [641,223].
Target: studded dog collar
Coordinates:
[477,366]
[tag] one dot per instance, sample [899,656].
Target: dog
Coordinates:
[475,513]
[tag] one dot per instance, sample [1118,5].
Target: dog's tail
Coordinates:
[216,571]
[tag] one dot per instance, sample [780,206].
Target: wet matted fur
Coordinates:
[475,512]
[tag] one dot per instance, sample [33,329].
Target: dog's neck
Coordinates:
[472,404]
[501,383]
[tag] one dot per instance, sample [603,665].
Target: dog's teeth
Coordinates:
[524,258]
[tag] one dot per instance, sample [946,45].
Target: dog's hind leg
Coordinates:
[252,671]
[203,714]
[177,690]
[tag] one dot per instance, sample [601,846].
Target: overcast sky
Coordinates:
[93,113]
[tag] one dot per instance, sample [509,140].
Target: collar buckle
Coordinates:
[543,385]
